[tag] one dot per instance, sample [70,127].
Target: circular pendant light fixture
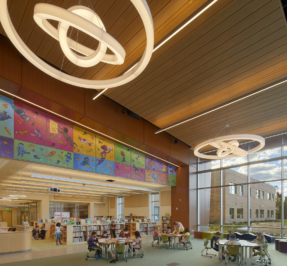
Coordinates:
[228,146]
[88,21]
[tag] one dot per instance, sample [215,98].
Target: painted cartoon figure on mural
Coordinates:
[68,158]
[105,151]
[85,162]
[85,141]
[37,134]
[21,150]
[64,131]
[123,155]
[154,176]
[21,113]
[136,171]
[4,116]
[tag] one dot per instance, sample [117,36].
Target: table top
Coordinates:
[171,235]
[106,241]
[243,243]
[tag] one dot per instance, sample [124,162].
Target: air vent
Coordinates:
[110,180]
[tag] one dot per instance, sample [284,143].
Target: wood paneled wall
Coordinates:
[165,198]
[112,203]
[139,200]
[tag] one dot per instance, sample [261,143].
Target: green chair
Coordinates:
[97,250]
[140,249]
[263,253]
[233,250]
[207,235]
[120,250]
[154,239]
[164,240]
[206,248]
[188,241]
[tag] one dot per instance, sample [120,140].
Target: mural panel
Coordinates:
[137,159]
[6,147]
[105,149]
[84,142]
[29,124]
[122,170]
[29,151]
[59,134]
[153,176]
[172,180]
[58,157]
[6,117]
[172,170]
[105,167]
[137,173]
[84,162]
[122,154]
[155,165]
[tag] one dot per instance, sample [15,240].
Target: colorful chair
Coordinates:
[206,248]
[140,249]
[97,251]
[120,250]
[264,256]
[164,240]
[233,250]
[154,239]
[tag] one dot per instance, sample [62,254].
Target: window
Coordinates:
[257,213]
[261,213]
[231,213]
[257,194]
[250,192]
[120,203]
[250,213]
[268,196]
[272,214]
[240,190]
[272,197]
[232,188]
[268,214]
[240,213]
[262,195]
[155,207]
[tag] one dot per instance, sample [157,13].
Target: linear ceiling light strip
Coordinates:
[88,128]
[220,107]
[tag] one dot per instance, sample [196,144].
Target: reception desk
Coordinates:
[15,241]
[22,228]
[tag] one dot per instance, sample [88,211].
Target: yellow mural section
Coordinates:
[85,142]
[105,149]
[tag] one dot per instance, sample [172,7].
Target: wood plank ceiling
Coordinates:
[234,48]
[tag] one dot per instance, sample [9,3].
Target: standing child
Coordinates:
[185,235]
[58,234]
[138,240]
[113,229]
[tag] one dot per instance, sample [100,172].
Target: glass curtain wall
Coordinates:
[246,194]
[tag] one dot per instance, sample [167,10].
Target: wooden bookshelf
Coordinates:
[165,222]
[132,218]
[145,228]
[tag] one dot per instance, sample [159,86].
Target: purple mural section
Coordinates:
[137,173]
[29,124]
[122,170]
[6,147]
[59,134]
[153,164]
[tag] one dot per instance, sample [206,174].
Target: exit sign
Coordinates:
[7,209]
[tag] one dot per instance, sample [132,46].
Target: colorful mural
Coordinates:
[137,173]
[29,151]
[105,167]
[58,157]
[122,154]
[155,165]
[137,159]
[6,147]
[153,176]
[84,162]
[172,180]
[172,170]
[31,135]
[84,142]
[122,170]
[29,124]
[59,134]
[6,117]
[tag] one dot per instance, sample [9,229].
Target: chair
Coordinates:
[164,240]
[263,253]
[154,239]
[233,250]
[140,249]
[93,249]
[188,242]
[206,248]
[120,250]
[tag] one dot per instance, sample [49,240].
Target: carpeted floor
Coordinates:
[153,256]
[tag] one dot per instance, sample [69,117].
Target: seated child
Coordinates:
[94,244]
[232,241]
[36,233]
[168,231]
[186,233]
[42,233]
[138,240]
[155,235]
[105,234]
[127,234]
[120,240]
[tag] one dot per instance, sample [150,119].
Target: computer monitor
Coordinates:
[12,229]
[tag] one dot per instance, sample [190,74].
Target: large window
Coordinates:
[155,207]
[120,209]
[66,210]
[224,188]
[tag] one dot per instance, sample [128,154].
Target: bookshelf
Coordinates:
[132,218]
[145,228]
[165,222]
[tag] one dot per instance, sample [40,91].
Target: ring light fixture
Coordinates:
[228,146]
[87,20]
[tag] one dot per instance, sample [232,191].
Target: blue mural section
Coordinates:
[6,117]
[105,167]
[84,162]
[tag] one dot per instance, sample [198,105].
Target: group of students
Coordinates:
[123,236]
[260,239]
[37,234]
